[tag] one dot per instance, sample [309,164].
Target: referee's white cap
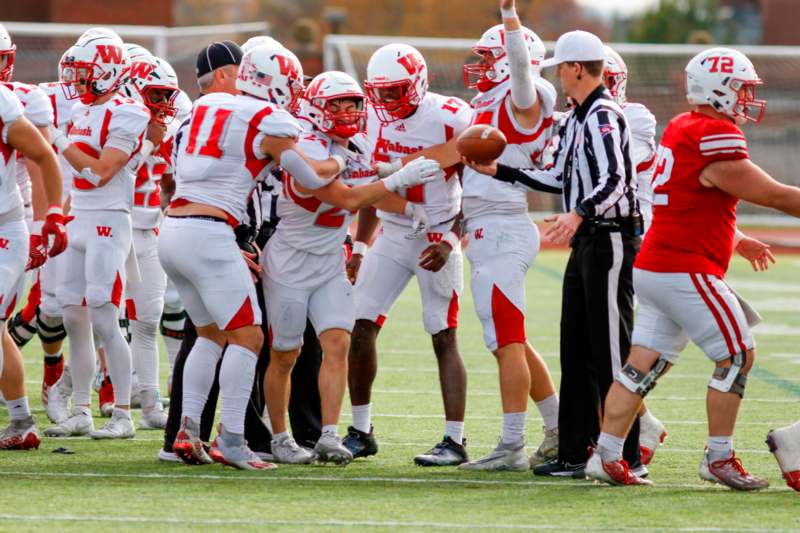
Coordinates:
[574,46]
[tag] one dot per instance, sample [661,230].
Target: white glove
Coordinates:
[418,172]
[387,169]
[419,220]
[59,139]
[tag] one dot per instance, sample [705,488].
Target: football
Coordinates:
[481,143]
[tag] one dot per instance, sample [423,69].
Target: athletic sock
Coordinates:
[277,437]
[514,427]
[455,430]
[198,376]
[82,355]
[548,408]
[330,428]
[719,448]
[235,386]
[609,447]
[648,418]
[18,409]
[105,321]
[362,417]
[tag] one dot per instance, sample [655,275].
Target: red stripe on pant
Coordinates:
[116,291]
[509,321]
[728,313]
[452,312]
[130,308]
[714,312]
[243,317]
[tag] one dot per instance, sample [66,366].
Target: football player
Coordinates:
[703,168]
[503,241]
[106,131]
[784,443]
[407,121]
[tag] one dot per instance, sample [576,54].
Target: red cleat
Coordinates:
[106,397]
[20,435]
[616,473]
[52,373]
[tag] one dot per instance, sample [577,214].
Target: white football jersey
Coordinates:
[10,111]
[524,149]
[219,156]
[37,109]
[62,100]
[643,149]
[437,120]
[92,127]
[146,212]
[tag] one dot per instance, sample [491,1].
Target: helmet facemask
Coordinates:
[337,117]
[160,100]
[483,75]
[747,108]
[615,83]
[7,62]
[404,99]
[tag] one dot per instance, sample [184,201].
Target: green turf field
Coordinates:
[120,486]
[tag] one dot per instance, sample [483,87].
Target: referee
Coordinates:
[593,171]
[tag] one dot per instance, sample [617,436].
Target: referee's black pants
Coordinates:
[596,326]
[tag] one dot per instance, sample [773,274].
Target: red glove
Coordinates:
[54,227]
[37,253]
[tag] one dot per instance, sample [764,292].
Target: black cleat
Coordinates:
[558,469]
[359,443]
[446,453]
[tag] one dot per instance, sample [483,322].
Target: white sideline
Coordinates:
[362,523]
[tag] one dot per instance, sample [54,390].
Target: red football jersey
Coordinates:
[693,226]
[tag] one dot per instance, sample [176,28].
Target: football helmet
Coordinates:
[260,40]
[148,74]
[99,64]
[7,52]
[273,74]
[136,51]
[726,80]
[615,75]
[325,88]
[398,70]
[494,67]
[98,31]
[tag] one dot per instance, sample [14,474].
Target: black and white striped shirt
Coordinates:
[593,167]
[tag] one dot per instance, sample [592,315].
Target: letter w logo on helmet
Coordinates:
[287,66]
[141,70]
[411,63]
[109,53]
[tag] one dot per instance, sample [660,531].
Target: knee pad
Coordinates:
[50,328]
[639,382]
[21,331]
[172,323]
[730,379]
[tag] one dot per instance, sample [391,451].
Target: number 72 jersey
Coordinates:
[693,225]
[219,158]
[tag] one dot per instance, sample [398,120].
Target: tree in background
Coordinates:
[679,21]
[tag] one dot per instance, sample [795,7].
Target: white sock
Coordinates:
[548,408]
[277,437]
[120,413]
[610,447]
[330,428]
[454,430]
[82,355]
[144,350]
[105,321]
[198,376]
[18,409]
[235,385]
[362,417]
[514,427]
[719,448]
[173,347]
[648,418]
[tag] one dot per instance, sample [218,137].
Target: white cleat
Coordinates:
[232,450]
[730,472]
[120,426]
[784,443]
[168,457]
[153,414]
[79,423]
[287,451]
[329,449]
[651,435]
[58,396]
[616,473]
[547,450]
[505,457]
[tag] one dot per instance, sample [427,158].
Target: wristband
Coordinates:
[89,175]
[360,248]
[409,210]
[61,143]
[339,161]
[36,228]
[55,209]
[452,239]
[510,13]
[737,237]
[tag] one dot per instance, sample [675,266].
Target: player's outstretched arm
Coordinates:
[746,180]
[525,104]
[446,154]
[285,151]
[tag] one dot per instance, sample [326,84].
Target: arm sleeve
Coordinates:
[602,132]
[523,92]
[294,164]
[314,147]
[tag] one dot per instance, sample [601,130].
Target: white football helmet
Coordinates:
[273,74]
[136,51]
[325,88]
[615,75]
[99,64]
[7,52]
[494,67]
[726,80]
[98,31]
[397,81]
[260,40]
[148,74]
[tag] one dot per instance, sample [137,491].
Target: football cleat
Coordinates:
[784,443]
[505,457]
[20,435]
[359,443]
[188,445]
[651,435]
[547,450]
[730,472]
[445,453]
[168,456]
[231,450]
[105,396]
[614,473]
[558,468]
[329,449]
[153,414]
[52,373]
[78,423]
[119,427]
[287,451]
[58,396]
